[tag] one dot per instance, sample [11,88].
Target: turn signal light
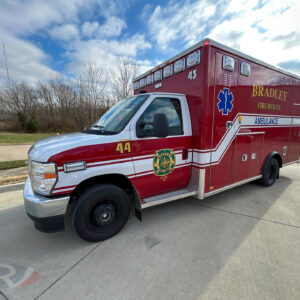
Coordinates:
[49,175]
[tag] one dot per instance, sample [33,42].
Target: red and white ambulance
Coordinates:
[207,120]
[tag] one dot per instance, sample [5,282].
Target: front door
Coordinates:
[162,164]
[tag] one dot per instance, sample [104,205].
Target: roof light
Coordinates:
[228,63]
[245,69]
[136,85]
[158,75]
[150,79]
[206,43]
[142,82]
[179,65]
[168,71]
[193,59]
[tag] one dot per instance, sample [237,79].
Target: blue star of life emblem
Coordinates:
[225,101]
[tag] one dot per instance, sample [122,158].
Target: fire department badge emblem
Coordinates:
[164,162]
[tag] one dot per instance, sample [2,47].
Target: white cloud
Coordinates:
[104,52]
[267,30]
[90,29]
[112,27]
[64,32]
[57,18]
[25,61]
[179,21]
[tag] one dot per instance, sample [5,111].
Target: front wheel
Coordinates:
[270,173]
[100,212]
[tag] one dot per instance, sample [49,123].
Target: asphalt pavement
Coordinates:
[240,244]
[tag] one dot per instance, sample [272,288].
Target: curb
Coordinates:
[12,187]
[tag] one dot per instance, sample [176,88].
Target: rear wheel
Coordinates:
[270,173]
[100,212]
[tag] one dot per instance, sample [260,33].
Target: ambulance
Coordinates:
[207,120]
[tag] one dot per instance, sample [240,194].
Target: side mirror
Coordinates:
[160,125]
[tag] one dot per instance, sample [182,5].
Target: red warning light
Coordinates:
[206,43]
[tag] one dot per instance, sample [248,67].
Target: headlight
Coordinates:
[43,177]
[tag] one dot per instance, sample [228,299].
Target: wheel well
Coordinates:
[279,159]
[275,155]
[116,179]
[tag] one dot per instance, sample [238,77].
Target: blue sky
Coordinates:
[44,37]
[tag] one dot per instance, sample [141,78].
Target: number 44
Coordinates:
[192,75]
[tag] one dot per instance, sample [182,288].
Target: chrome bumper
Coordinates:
[42,207]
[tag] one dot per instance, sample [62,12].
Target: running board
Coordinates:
[167,197]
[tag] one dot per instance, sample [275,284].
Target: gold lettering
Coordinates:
[127,147]
[120,148]
[266,92]
[284,96]
[260,91]
[254,90]
[268,106]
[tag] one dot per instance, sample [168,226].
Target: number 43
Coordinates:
[192,75]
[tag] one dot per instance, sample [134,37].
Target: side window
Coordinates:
[171,108]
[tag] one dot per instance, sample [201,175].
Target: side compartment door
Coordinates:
[247,155]
[162,164]
[294,145]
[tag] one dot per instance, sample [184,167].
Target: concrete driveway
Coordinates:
[241,244]
[14,152]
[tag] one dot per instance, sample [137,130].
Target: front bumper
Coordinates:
[47,213]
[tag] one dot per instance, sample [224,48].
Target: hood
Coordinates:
[42,150]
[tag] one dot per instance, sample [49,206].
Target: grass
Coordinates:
[22,138]
[12,164]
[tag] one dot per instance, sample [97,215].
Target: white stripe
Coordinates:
[296,121]
[207,157]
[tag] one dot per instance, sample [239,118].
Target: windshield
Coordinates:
[115,119]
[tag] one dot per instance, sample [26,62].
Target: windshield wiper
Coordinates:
[97,131]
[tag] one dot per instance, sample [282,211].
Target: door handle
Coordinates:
[185,154]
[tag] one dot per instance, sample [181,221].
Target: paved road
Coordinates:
[241,244]
[14,152]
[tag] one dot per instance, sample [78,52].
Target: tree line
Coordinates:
[64,104]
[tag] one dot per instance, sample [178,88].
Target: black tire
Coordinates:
[270,173]
[100,212]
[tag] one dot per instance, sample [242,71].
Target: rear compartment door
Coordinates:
[225,110]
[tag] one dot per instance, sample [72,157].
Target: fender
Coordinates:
[268,159]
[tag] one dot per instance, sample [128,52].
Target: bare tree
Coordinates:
[21,98]
[122,76]
[95,81]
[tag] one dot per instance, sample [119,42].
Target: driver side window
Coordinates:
[168,106]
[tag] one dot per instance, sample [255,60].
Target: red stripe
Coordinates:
[65,187]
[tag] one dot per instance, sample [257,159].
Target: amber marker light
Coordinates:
[49,175]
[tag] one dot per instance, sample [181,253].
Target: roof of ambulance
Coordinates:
[210,42]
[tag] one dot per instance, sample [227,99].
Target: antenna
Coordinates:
[5,59]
